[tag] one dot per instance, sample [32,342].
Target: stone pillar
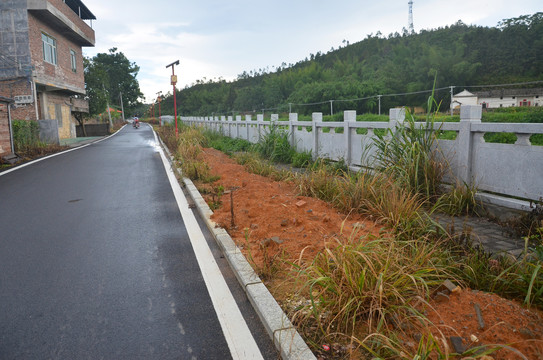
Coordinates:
[397,116]
[469,114]
[238,120]
[226,127]
[292,118]
[259,120]
[248,119]
[349,117]
[315,117]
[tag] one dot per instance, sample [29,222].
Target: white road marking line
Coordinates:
[240,340]
[18,167]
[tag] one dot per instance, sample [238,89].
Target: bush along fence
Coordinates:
[508,175]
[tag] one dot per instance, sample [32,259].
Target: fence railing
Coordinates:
[512,170]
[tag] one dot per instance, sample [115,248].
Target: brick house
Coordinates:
[41,60]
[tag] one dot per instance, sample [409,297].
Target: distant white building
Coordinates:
[499,98]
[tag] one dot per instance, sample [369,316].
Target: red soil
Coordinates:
[271,219]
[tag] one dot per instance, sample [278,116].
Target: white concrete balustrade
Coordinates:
[509,170]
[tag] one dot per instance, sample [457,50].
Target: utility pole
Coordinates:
[331,107]
[452,87]
[379,97]
[173,82]
[107,103]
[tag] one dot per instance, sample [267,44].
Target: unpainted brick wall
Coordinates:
[62,72]
[20,86]
[5,144]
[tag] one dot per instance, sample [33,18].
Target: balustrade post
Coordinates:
[349,117]
[315,117]
[469,115]
[259,121]
[292,117]
[248,119]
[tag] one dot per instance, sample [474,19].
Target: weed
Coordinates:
[302,160]
[460,200]
[269,259]
[256,165]
[216,194]
[365,281]
[274,145]
[502,274]
[409,155]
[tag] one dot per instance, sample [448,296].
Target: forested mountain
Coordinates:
[459,54]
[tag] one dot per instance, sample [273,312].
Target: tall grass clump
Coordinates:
[188,154]
[167,134]
[375,195]
[502,274]
[364,284]
[459,200]
[409,153]
[319,182]
[226,144]
[255,164]
[275,146]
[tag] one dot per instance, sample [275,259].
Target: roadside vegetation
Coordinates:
[368,292]
[27,143]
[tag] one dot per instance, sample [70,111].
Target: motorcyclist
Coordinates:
[136,122]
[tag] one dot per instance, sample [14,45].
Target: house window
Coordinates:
[73,59]
[49,49]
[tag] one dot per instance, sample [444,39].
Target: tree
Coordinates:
[96,79]
[107,76]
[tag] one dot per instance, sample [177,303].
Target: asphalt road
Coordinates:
[96,262]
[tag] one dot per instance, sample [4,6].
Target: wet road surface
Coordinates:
[96,262]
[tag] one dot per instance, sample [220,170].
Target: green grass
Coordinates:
[274,145]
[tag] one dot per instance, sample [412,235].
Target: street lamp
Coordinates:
[173,82]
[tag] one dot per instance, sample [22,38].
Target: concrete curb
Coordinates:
[284,335]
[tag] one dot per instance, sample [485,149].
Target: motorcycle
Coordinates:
[136,124]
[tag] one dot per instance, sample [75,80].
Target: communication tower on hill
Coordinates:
[410,19]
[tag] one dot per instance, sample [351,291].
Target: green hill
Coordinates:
[461,55]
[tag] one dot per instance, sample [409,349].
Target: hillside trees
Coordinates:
[459,54]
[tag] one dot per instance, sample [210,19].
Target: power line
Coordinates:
[395,94]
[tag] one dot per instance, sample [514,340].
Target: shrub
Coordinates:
[26,134]
[302,160]
[274,145]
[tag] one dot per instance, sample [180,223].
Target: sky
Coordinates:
[221,39]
